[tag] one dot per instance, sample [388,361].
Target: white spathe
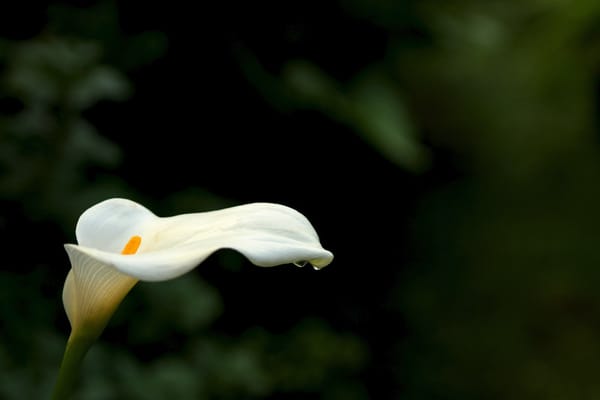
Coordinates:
[267,234]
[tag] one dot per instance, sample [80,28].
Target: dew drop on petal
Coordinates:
[301,263]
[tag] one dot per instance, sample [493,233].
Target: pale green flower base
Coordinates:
[77,347]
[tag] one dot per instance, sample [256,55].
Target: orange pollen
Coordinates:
[132,245]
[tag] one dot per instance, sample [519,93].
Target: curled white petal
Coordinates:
[109,225]
[267,234]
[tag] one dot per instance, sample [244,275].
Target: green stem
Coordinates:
[77,347]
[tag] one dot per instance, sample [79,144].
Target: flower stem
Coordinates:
[77,347]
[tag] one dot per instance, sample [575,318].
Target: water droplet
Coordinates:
[301,263]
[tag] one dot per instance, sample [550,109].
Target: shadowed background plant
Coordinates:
[446,152]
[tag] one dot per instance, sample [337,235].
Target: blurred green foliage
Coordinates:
[527,72]
[46,145]
[502,296]
[371,105]
[200,364]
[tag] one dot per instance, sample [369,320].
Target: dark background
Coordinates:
[446,152]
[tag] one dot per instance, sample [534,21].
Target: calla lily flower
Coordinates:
[121,242]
